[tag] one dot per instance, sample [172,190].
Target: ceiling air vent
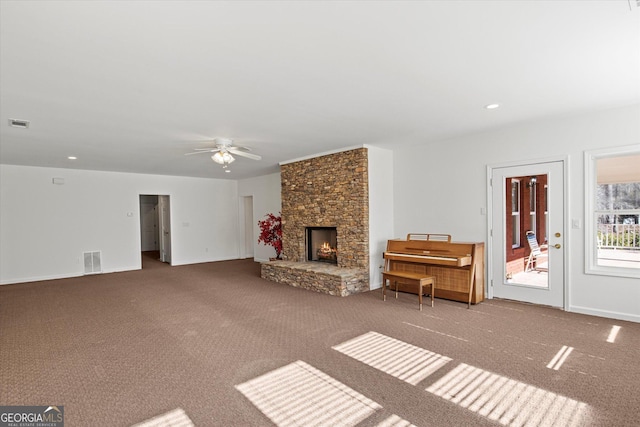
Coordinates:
[16,123]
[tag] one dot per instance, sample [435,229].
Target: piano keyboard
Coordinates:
[444,258]
[436,259]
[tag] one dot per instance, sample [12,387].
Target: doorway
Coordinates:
[527,233]
[155,227]
[149,235]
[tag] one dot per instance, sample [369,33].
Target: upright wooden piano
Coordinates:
[458,267]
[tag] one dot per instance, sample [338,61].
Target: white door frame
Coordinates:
[164,205]
[246,227]
[565,232]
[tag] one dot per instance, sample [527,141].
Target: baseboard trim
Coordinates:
[38,278]
[65,276]
[605,313]
[202,261]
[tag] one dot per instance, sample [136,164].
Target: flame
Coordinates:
[326,248]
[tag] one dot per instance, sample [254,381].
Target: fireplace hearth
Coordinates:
[322,244]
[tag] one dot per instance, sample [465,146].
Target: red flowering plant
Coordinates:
[271,232]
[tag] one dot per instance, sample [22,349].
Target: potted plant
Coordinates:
[271,232]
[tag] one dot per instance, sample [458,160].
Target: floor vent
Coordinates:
[92,263]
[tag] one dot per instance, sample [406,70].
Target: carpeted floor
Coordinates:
[219,346]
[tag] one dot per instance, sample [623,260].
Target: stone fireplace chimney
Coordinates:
[326,191]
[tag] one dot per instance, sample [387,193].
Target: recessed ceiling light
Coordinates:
[227,170]
[72,158]
[491,106]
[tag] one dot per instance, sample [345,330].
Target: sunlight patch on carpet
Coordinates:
[559,358]
[175,418]
[300,395]
[507,401]
[613,334]
[394,357]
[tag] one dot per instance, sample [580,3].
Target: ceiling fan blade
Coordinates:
[202,150]
[240,153]
[240,148]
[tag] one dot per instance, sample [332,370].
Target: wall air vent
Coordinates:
[16,123]
[92,263]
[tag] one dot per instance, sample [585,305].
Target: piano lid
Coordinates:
[453,261]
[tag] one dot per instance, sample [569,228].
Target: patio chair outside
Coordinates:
[536,252]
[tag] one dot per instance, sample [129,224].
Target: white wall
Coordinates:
[381,206]
[45,228]
[441,187]
[266,199]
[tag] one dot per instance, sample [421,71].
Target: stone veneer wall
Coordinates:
[327,191]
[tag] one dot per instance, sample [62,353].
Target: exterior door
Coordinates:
[528,233]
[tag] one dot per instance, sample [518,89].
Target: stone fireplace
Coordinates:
[321,193]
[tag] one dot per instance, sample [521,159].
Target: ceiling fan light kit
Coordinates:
[223,158]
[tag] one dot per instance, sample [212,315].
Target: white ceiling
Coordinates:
[133,86]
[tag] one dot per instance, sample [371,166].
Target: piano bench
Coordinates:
[408,278]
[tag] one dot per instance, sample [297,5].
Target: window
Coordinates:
[515,213]
[612,223]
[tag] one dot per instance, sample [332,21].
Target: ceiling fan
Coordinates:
[223,150]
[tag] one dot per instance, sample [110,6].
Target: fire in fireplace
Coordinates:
[322,243]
